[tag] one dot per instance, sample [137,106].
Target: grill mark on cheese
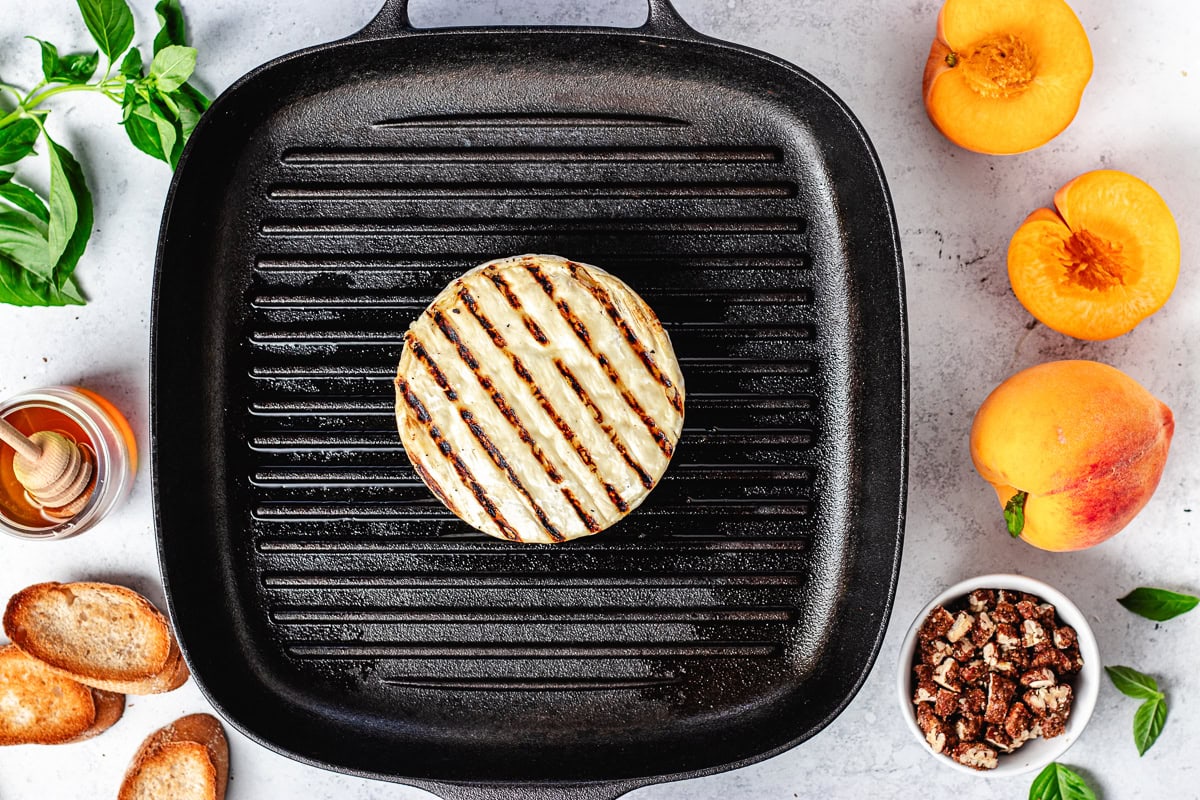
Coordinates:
[510,296]
[485,441]
[587,519]
[434,487]
[610,308]
[598,415]
[502,463]
[461,469]
[563,427]
[576,324]
[510,415]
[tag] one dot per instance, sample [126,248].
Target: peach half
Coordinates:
[1074,450]
[1006,76]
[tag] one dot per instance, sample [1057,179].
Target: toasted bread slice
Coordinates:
[186,760]
[40,706]
[105,636]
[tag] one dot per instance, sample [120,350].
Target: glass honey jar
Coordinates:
[95,425]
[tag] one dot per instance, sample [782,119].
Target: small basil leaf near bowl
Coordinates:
[1159,605]
[1037,753]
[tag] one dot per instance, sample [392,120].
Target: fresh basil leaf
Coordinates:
[1158,604]
[20,287]
[1014,513]
[17,139]
[110,23]
[25,199]
[172,66]
[1132,683]
[5,177]
[192,103]
[170,17]
[72,68]
[1148,723]
[1060,782]
[69,293]
[143,129]
[71,213]
[131,65]
[23,241]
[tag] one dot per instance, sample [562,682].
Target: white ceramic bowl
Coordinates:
[1037,753]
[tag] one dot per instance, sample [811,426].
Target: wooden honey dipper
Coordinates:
[55,471]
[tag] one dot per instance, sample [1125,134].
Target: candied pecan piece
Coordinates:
[1050,701]
[994,660]
[996,736]
[984,629]
[946,703]
[973,672]
[936,624]
[1056,660]
[938,733]
[1038,678]
[975,755]
[1065,637]
[1018,724]
[935,651]
[1009,596]
[963,651]
[972,701]
[1032,633]
[969,728]
[1007,636]
[1027,609]
[981,600]
[1005,612]
[926,691]
[1000,692]
[961,627]
[946,675]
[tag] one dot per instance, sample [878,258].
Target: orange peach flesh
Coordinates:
[1003,78]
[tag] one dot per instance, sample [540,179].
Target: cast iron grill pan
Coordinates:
[330,607]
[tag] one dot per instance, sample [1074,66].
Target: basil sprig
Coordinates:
[42,238]
[1014,513]
[1158,604]
[1060,782]
[1151,716]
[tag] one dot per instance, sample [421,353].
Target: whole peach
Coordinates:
[1074,450]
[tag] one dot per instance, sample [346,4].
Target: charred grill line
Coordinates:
[515,302]
[464,473]
[598,415]
[563,426]
[581,331]
[498,399]
[606,302]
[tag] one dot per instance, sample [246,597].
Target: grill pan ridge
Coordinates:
[329,606]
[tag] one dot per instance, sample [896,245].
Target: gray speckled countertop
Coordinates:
[956,211]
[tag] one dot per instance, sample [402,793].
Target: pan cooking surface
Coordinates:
[330,605]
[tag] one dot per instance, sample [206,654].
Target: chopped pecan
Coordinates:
[963,651]
[1065,637]
[1027,609]
[1050,701]
[1018,724]
[946,675]
[936,624]
[1005,612]
[981,600]
[969,727]
[1056,660]
[984,629]
[938,733]
[972,702]
[1007,636]
[973,672]
[961,627]
[997,736]
[1000,692]
[935,651]
[1032,633]
[1038,678]
[946,703]
[975,755]
[994,660]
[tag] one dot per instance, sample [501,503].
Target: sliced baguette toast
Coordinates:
[40,706]
[186,760]
[105,636]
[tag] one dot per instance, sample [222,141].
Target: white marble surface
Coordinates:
[956,212]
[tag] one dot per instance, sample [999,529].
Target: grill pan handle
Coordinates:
[662,20]
[582,791]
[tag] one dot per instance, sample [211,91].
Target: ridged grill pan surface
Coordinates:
[329,606]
